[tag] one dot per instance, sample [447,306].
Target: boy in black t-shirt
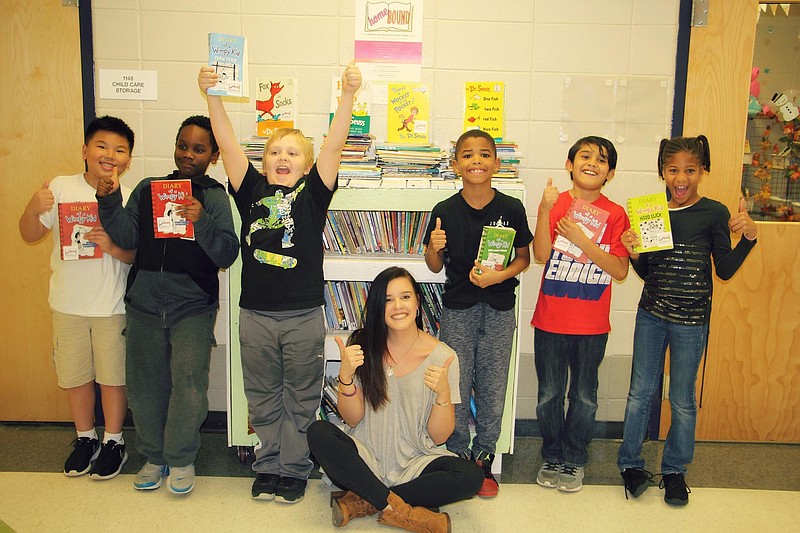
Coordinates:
[282,325]
[478,318]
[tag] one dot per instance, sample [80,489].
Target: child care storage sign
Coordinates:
[127,84]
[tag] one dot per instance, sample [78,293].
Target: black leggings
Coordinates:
[446,479]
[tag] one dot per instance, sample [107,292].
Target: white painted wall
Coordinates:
[571,67]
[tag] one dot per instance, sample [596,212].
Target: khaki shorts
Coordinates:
[88,349]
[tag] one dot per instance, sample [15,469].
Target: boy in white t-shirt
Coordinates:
[86,300]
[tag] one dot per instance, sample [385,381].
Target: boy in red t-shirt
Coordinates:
[571,317]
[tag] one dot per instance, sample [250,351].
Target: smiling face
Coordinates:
[401,305]
[682,172]
[104,151]
[286,159]
[193,152]
[476,160]
[590,168]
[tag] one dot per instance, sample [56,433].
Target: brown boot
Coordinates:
[350,506]
[417,519]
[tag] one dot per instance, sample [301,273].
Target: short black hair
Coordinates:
[472,134]
[697,146]
[201,121]
[112,124]
[600,142]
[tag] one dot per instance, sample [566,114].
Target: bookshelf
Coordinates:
[364,267]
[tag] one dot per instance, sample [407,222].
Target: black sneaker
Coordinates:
[636,481]
[265,486]
[676,492]
[290,489]
[80,460]
[109,462]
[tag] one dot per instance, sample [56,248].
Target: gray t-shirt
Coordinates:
[394,442]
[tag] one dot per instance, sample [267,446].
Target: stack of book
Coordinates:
[410,166]
[358,160]
[510,157]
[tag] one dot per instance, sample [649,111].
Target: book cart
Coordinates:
[363,267]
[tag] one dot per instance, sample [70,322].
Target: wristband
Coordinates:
[343,383]
[442,404]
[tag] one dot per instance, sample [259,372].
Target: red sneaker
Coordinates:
[490,488]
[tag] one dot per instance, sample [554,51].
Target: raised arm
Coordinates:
[330,154]
[233,157]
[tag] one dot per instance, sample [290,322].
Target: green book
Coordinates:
[649,216]
[496,245]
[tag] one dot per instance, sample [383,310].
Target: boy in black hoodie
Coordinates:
[171,301]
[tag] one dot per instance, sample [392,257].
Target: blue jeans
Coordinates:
[565,439]
[650,341]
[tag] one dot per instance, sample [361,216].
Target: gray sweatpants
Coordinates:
[282,364]
[482,338]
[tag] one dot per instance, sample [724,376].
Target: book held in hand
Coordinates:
[75,220]
[649,216]
[228,55]
[591,220]
[496,245]
[168,196]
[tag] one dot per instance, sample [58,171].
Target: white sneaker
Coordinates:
[570,479]
[150,476]
[181,479]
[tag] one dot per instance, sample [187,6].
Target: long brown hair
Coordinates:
[373,334]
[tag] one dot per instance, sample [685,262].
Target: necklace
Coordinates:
[390,368]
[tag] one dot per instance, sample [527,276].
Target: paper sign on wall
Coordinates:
[127,84]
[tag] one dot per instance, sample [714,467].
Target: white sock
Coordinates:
[92,434]
[117,437]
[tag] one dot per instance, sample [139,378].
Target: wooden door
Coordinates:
[752,373]
[41,133]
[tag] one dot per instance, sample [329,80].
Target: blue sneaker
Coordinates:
[150,476]
[181,479]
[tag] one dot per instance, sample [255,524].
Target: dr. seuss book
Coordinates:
[649,217]
[591,220]
[485,107]
[276,104]
[495,248]
[228,55]
[75,220]
[360,121]
[408,120]
[168,196]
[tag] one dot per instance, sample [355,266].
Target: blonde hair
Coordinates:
[305,145]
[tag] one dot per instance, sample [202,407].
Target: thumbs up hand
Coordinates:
[42,200]
[438,239]
[549,197]
[742,223]
[352,357]
[351,78]
[108,185]
[436,379]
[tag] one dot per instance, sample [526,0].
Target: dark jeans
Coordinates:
[565,439]
[445,480]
